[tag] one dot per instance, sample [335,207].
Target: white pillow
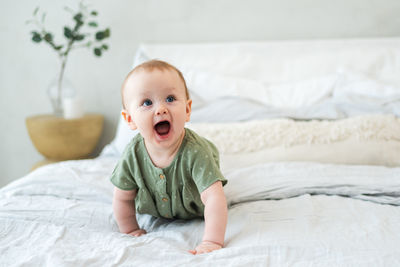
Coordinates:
[349,151]
[122,137]
[211,86]
[288,95]
[300,94]
[239,137]
[370,139]
[355,87]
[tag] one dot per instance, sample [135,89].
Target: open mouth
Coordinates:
[162,128]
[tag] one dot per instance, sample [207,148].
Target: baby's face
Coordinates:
[157,105]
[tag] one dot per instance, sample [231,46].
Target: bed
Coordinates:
[309,140]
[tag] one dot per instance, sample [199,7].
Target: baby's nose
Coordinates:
[161,110]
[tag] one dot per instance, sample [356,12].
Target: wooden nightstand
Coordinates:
[60,139]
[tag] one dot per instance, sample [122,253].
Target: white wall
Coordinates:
[26,68]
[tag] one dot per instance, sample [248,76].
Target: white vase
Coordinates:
[57,95]
[73,108]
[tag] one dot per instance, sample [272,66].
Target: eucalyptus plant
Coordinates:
[82,33]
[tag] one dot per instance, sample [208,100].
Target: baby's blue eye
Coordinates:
[170,98]
[147,103]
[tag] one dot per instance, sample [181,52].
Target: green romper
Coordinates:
[174,191]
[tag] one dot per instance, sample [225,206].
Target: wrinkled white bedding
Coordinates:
[280,214]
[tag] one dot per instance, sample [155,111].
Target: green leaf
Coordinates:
[35,11]
[29,21]
[79,37]
[78,24]
[92,24]
[100,35]
[78,17]
[97,52]
[94,13]
[58,47]
[70,10]
[68,33]
[107,33]
[104,47]
[36,37]
[48,37]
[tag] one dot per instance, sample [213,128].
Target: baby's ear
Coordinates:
[188,109]
[128,119]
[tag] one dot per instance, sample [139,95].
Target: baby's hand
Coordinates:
[138,232]
[205,247]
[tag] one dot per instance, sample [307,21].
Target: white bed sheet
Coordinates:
[279,215]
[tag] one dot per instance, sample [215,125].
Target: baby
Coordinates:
[166,170]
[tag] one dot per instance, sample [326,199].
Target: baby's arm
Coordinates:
[215,217]
[125,213]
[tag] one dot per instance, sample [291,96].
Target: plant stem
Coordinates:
[63,57]
[60,79]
